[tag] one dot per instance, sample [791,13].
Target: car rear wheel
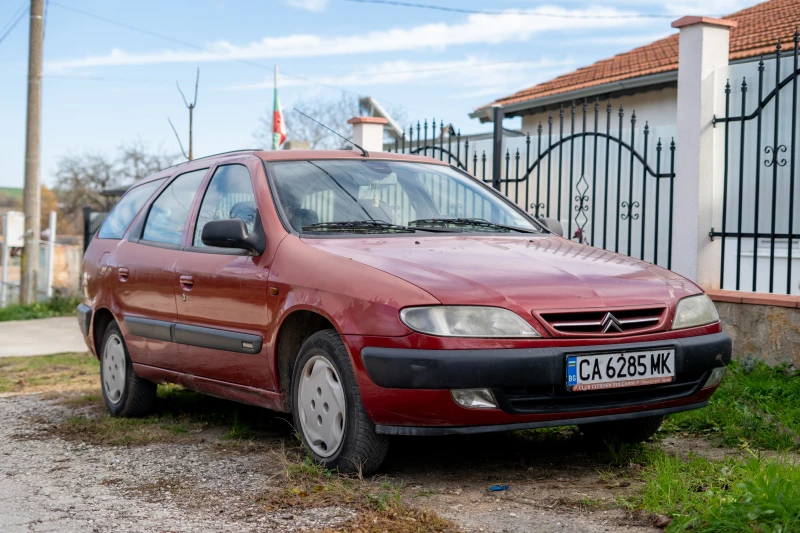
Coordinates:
[124,393]
[328,413]
[623,431]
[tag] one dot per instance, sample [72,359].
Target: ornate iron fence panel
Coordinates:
[760,233]
[595,171]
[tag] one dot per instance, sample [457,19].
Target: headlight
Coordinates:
[695,311]
[466,321]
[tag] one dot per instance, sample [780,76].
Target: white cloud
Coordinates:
[470,72]
[680,8]
[474,30]
[309,5]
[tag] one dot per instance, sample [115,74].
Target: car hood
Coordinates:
[528,272]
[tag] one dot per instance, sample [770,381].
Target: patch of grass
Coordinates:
[756,406]
[733,495]
[56,306]
[63,372]
[379,504]
[179,414]
[239,430]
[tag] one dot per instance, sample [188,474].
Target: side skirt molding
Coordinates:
[216,339]
[219,389]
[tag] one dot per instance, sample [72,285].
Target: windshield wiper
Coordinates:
[462,222]
[358,226]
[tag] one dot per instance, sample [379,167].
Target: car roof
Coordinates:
[271,156]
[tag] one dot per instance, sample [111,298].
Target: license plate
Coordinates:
[617,370]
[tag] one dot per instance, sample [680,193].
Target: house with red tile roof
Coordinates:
[645,79]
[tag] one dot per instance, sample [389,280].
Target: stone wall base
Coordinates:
[766,331]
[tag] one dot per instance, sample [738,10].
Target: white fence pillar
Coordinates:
[368,132]
[703,48]
[51,252]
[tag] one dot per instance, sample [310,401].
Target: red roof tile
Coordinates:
[758,30]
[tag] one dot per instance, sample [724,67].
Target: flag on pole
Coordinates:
[278,124]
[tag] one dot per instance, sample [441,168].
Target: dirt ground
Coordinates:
[57,480]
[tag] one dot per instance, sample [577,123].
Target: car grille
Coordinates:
[556,399]
[612,322]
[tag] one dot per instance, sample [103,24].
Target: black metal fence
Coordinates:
[587,165]
[759,228]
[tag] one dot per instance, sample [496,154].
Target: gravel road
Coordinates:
[52,485]
[200,484]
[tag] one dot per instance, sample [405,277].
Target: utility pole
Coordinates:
[32,193]
[190,107]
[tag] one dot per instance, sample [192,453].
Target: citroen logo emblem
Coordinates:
[610,323]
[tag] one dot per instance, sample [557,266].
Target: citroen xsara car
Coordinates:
[383,294]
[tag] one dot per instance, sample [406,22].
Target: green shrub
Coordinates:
[56,306]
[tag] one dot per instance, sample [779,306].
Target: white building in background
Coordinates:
[645,80]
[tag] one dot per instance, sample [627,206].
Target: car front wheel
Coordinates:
[328,413]
[124,393]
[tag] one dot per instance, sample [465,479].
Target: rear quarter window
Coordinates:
[126,209]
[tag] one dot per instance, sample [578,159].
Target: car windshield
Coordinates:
[345,196]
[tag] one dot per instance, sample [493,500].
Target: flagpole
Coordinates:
[274,118]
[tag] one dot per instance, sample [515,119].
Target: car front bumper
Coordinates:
[407,390]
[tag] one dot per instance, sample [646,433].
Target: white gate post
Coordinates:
[51,252]
[368,132]
[703,48]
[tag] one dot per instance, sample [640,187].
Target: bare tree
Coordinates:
[81,179]
[136,161]
[334,113]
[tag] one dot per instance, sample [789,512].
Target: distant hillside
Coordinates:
[8,192]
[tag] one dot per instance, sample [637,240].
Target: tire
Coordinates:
[319,417]
[623,431]
[124,393]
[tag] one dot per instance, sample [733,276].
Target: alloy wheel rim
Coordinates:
[114,369]
[321,406]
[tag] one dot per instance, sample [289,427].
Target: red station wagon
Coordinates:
[382,294]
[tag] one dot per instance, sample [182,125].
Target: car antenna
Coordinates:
[363,151]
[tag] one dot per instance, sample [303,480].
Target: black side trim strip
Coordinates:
[152,329]
[470,430]
[217,339]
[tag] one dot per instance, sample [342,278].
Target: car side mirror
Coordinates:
[553,225]
[230,233]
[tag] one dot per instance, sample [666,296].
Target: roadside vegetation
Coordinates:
[56,306]
[67,372]
[379,503]
[756,406]
[752,483]
[750,493]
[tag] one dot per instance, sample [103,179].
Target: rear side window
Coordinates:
[126,209]
[229,195]
[169,213]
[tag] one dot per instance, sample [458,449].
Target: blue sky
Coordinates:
[105,85]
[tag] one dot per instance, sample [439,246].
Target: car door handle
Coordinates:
[123,273]
[187,282]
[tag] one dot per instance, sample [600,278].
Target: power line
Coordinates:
[244,61]
[9,27]
[198,47]
[509,11]
[186,44]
